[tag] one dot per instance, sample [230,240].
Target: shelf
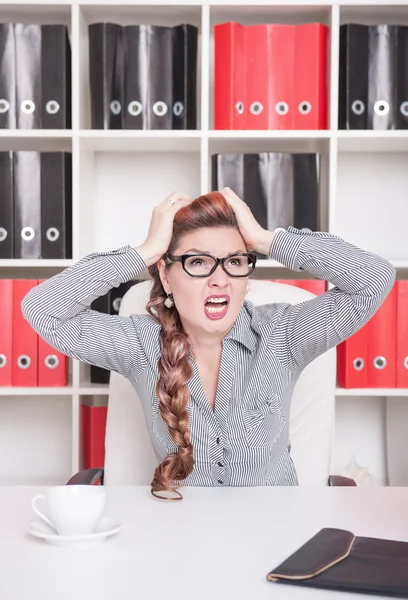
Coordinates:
[140,140]
[268,141]
[94,389]
[373,141]
[36,391]
[372,392]
[35,263]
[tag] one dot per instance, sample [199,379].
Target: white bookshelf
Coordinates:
[364,196]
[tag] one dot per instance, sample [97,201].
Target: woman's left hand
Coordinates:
[252,233]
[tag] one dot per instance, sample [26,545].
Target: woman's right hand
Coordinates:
[161,227]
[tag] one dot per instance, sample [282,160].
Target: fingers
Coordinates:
[175,198]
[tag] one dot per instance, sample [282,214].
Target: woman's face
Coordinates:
[190,293]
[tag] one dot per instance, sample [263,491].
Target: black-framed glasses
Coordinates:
[203,265]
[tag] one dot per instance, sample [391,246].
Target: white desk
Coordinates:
[215,544]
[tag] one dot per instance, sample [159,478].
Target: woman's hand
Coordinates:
[161,227]
[255,237]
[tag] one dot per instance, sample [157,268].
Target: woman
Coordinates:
[215,374]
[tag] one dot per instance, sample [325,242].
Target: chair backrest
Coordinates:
[129,456]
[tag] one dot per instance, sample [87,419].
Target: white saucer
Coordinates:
[106,527]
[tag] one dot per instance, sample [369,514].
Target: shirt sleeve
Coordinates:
[362,281]
[59,311]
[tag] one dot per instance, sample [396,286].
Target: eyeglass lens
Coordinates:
[202,265]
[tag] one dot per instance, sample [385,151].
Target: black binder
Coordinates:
[381,76]
[281,189]
[7,77]
[6,205]
[27,205]
[28,75]
[160,79]
[185,39]
[353,76]
[56,205]
[106,75]
[99,374]
[135,84]
[116,295]
[401,78]
[306,191]
[55,77]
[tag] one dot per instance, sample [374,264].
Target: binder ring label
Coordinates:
[27,233]
[239,107]
[3,360]
[51,361]
[381,107]
[404,108]
[358,363]
[380,362]
[52,107]
[305,107]
[256,108]
[52,234]
[178,109]
[4,105]
[115,107]
[282,108]
[358,107]
[3,234]
[160,108]
[116,304]
[135,108]
[23,361]
[406,362]
[28,107]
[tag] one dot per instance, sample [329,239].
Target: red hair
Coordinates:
[210,210]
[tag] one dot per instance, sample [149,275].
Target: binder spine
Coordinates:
[401,79]
[160,82]
[277,183]
[353,79]
[27,205]
[230,76]
[6,205]
[135,76]
[56,205]
[55,77]
[310,76]
[106,75]
[184,70]
[306,191]
[381,76]
[7,77]
[28,75]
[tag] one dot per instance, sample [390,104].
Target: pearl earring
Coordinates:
[169,301]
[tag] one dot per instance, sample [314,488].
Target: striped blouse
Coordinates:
[244,441]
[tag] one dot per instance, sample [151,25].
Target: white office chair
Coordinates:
[129,456]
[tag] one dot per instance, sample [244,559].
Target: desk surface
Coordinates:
[217,543]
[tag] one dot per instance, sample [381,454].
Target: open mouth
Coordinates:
[216,310]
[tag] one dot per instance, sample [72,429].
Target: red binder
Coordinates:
[230,110]
[402,334]
[381,346]
[270,59]
[24,366]
[6,331]
[310,95]
[52,365]
[352,357]
[257,69]
[93,428]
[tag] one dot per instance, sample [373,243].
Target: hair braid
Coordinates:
[175,370]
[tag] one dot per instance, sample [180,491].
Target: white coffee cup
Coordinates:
[72,509]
